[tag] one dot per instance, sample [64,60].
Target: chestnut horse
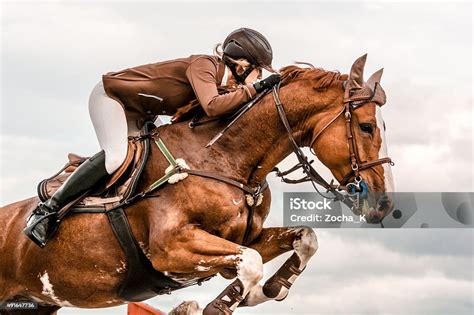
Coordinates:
[196,227]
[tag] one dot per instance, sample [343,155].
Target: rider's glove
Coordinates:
[269,82]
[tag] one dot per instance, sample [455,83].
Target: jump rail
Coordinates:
[142,309]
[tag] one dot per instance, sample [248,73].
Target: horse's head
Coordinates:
[351,142]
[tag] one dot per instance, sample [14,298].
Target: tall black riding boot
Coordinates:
[43,222]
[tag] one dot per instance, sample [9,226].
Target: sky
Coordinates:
[53,54]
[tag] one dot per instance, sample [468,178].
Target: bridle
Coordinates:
[350,103]
[356,164]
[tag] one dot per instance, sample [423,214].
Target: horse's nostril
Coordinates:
[384,203]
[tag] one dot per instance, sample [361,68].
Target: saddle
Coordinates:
[118,187]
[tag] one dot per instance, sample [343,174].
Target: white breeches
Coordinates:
[112,127]
[110,124]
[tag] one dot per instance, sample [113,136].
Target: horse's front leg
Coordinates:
[273,242]
[195,252]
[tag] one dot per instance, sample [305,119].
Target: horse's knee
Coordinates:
[305,243]
[250,267]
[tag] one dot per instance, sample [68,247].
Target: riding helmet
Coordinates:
[251,45]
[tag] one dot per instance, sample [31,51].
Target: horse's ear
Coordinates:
[375,78]
[356,77]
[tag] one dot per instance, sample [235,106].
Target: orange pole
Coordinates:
[142,309]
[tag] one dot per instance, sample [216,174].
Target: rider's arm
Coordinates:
[202,75]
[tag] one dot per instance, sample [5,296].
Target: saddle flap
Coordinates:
[132,150]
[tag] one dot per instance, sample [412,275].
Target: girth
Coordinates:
[142,280]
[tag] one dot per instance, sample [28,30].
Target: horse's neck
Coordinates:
[253,146]
[259,141]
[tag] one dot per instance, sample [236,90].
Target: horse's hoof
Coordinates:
[228,273]
[186,308]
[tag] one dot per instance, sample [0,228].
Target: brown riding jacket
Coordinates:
[163,87]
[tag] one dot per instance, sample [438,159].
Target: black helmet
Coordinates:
[251,45]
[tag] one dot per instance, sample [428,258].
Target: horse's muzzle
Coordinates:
[383,207]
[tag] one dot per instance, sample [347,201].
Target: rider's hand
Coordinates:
[269,82]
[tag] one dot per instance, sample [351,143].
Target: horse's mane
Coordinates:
[320,78]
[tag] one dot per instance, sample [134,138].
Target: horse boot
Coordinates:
[231,296]
[43,222]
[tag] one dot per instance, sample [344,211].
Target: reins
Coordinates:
[303,162]
[195,122]
[240,112]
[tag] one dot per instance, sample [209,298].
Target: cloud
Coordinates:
[39,158]
[432,98]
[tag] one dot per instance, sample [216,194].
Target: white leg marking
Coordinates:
[49,292]
[306,245]
[256,296]
[249,270]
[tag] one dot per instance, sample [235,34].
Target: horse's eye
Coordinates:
[367,128]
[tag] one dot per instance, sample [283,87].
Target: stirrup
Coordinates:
[52,225]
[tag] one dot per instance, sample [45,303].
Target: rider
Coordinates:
[124,98]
